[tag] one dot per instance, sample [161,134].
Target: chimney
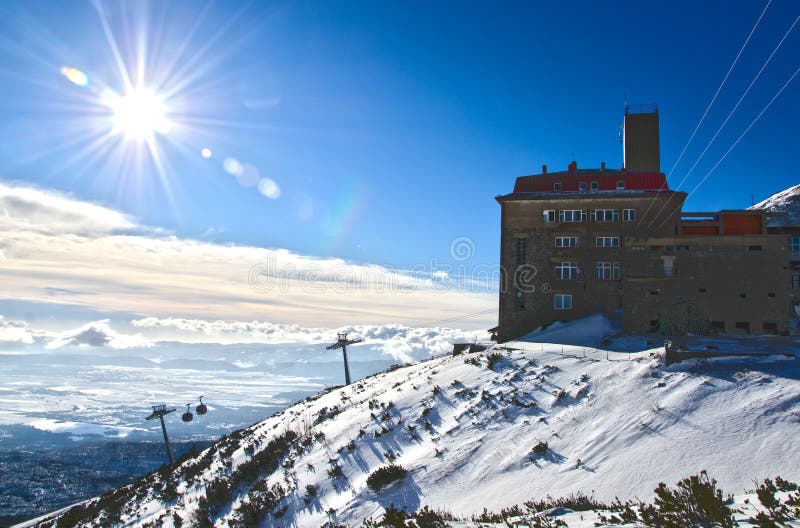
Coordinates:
[573,166]
[602,165]
[641,139]
[544,169]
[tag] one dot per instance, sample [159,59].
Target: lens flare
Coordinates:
[139,114]
[269,188]
[75,76]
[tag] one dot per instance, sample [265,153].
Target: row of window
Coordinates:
[570,241]
[596,215]
[795,244]
[602,270]
[584,186]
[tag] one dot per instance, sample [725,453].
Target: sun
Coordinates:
[139,114]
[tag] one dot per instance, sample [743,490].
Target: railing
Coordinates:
[651,108]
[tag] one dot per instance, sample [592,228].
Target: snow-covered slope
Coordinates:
[464,428]
[787,202]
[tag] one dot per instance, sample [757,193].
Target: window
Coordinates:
[654,325]
[605,215]
[770,328]
[608,271]
[771,294]
[571,215]
[701,290]
[629,215]
[795,243]
[795,281]
[718,326]
[557,186]
[620,185]
[582,186]
[567,270]
[606,241]
[595,186]
[562,301]
[743,325]
[548,216]
[743,296]
[754,248]
[669,267]
[566,242]
[522,251]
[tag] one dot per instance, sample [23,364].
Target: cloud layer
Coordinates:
[100,258]
[98,334]
[14,332]
[402,342]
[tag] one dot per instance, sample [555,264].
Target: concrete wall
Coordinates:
[523,310]
[641,142]
[723,279]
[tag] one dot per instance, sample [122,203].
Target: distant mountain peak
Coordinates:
[785,206]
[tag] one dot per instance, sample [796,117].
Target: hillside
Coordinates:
[465,427]
[786,202]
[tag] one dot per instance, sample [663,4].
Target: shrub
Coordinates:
[392,518]
[427,518]
[335,471]
[775,512]
[385,476]
[696,501]
[493,359]
[540,448]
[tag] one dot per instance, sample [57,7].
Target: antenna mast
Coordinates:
[342,343]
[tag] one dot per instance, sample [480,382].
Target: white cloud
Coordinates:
[31,209]
[98,334]
[15,332]
[100,258]
[237,331]
[401,342]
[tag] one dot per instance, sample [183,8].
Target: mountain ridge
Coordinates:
[466,430]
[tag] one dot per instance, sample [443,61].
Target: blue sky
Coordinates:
[388,127]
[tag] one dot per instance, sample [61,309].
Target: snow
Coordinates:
[622,424]
[786,201]
[588,331]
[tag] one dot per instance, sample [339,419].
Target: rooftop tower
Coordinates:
[641,139]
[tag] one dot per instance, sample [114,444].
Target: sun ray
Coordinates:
[112,44]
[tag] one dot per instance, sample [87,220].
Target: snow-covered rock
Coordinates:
[614,424]
[786,203]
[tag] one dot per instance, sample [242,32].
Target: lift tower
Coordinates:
[160,411]
[342,343]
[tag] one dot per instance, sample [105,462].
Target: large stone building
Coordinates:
[616,241]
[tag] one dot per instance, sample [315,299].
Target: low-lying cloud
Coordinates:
[401,342]
[97,334]
[15,332]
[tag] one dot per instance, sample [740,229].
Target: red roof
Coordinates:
[607,180]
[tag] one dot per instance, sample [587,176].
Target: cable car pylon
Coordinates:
[342,343]
[160,411]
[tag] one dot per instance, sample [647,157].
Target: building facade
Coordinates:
[616,242]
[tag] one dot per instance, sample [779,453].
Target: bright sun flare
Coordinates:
[139,114]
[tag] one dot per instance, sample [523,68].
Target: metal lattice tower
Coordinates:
[342,343]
